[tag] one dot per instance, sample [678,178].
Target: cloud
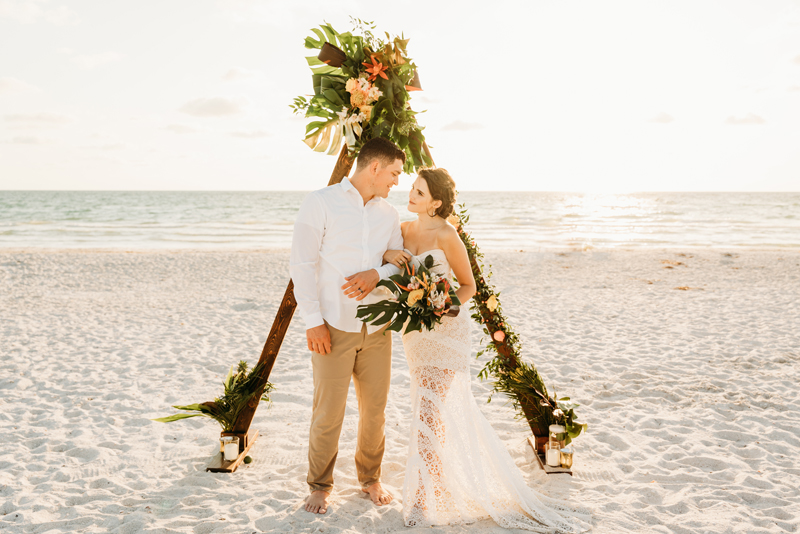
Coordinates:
[29,140]
[91,61]
[254,134]
[28,12]
[216,106]
[12,86]
[105,147]
[181,128]
[662,118]
[61,16]
[239,73]
[796,60]
[462,126]
[748,120]
[794,88]
[37,120]
[108,146]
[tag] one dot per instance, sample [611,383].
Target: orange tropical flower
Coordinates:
[376,69]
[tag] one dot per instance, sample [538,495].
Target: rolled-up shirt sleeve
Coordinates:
[395,243]
[309,228]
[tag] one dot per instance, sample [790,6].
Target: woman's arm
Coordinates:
[458,259]
[398,257]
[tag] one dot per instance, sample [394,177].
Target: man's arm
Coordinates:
[361,284]
[306,242]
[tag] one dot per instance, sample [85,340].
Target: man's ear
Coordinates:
[375,166]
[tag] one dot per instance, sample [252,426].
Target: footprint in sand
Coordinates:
[614,441]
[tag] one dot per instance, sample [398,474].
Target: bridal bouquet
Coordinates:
[419,297]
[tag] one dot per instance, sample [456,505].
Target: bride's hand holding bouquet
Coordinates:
[420,298]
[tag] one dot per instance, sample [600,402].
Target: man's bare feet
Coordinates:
[317,502]
[378,495]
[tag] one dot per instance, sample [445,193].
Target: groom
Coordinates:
[340,236]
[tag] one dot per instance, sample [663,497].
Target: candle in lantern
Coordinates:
[230,447]
[566,457]
[552,455]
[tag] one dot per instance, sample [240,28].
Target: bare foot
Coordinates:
[378,495]
[317,502]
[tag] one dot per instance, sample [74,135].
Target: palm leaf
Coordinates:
[177,417]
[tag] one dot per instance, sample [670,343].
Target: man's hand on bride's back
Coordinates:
[319,339]
[396,257]
[361,284]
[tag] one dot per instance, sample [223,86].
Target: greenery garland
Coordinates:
[365,96]
[514,377]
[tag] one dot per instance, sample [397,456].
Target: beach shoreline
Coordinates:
[685,362]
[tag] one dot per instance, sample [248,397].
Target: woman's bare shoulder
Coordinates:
[447,234]
[404,226]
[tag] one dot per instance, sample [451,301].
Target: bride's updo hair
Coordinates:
[442,187]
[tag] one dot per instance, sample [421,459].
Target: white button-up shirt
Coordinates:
[337,235]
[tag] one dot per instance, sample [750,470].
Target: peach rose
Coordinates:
[367,111]
[499,336]
[415,295]
[357,99]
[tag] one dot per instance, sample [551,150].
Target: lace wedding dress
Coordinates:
[458,470]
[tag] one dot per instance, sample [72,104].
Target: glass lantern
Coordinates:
[230,447]
[566,457]
[552,454]
[557,436]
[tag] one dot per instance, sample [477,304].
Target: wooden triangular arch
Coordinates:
[281,324]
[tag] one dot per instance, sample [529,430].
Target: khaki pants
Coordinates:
[368,359]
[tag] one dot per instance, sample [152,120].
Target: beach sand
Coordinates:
[691,395]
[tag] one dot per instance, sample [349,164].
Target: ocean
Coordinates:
[136,220]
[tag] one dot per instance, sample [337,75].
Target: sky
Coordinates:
[608,97]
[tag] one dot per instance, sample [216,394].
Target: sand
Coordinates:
[691,394]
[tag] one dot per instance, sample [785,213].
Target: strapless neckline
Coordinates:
[441,265]
[426,252]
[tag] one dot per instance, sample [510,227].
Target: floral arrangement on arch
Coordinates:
[361,91]
[513,376]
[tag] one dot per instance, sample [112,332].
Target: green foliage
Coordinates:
[239,388]
[390,116]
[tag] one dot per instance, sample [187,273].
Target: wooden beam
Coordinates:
[342,167]
[268,355]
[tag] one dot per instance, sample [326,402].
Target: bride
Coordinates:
[458,470]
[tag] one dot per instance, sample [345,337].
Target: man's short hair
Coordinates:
[381,149]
